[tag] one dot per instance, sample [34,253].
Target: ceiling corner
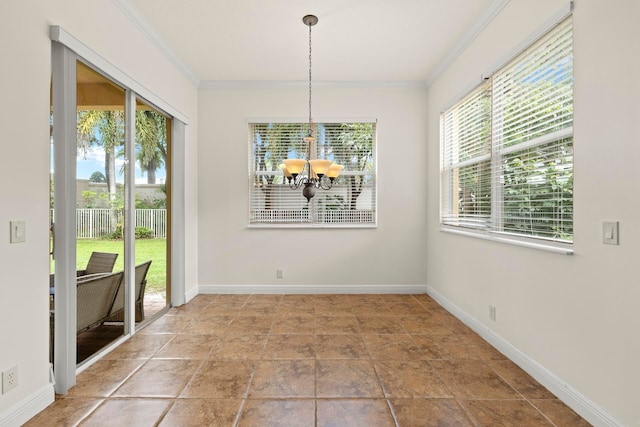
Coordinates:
[489,14]
[134,15]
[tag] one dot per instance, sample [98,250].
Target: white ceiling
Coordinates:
[354,41]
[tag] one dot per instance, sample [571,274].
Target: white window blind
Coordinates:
[466,161]
[351,200]
[507,147]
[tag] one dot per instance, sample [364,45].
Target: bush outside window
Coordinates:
[507,147]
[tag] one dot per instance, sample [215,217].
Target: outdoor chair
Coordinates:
[117,311]
[99,262]
[95,297]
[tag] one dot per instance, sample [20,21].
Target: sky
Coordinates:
[93,161]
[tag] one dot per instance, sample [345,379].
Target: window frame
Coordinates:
[370,219]
[494,230]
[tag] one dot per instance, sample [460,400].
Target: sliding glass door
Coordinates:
[110,210]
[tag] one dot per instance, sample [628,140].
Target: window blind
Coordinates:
[350,201]
[466,161]
[533,144]
[507,147]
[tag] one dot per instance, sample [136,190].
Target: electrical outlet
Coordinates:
[9,379]
[279,273]
[492,312]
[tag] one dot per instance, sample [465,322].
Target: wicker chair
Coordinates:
[99,262]
[117,311]
[96,294]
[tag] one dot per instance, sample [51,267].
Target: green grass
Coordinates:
[146,249]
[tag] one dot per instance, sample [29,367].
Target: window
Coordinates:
[352,199]
[507,147]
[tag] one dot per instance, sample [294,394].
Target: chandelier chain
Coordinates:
[310,131]
[300,172]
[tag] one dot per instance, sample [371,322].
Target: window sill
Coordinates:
[312,226]
[555,247]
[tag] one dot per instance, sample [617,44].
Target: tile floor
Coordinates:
[95,339]
[307,360]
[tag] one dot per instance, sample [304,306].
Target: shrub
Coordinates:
[140,233]
[144,233]
[116,235]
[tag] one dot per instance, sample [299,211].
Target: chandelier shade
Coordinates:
[320,166]
[294,166]
[284,170]
[334,171]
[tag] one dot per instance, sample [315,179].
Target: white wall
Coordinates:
[24,163]
[231,254]
[576,315]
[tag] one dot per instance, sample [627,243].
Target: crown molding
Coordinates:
[134,15]
[489,14]
[277,84]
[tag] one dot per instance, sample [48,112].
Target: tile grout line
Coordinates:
[315,366]
[165,412]
[253,374]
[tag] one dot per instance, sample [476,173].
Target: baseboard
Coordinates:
[311,289]
[27,408]
[590,411]
[191,293]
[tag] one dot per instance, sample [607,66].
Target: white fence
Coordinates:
[96,223]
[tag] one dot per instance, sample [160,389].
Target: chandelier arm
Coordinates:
[326,183]
[294,184]
[301,178]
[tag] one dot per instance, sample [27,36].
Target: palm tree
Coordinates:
[151,139]
[102,128]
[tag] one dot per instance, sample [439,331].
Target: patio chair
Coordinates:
[117,311]
[99,262]
[95,297]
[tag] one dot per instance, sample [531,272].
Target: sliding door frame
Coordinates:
[66,52]
[64,138]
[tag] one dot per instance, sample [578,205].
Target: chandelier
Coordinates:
[310,173]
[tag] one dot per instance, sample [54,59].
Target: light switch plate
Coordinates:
[610,232]
[18,231]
